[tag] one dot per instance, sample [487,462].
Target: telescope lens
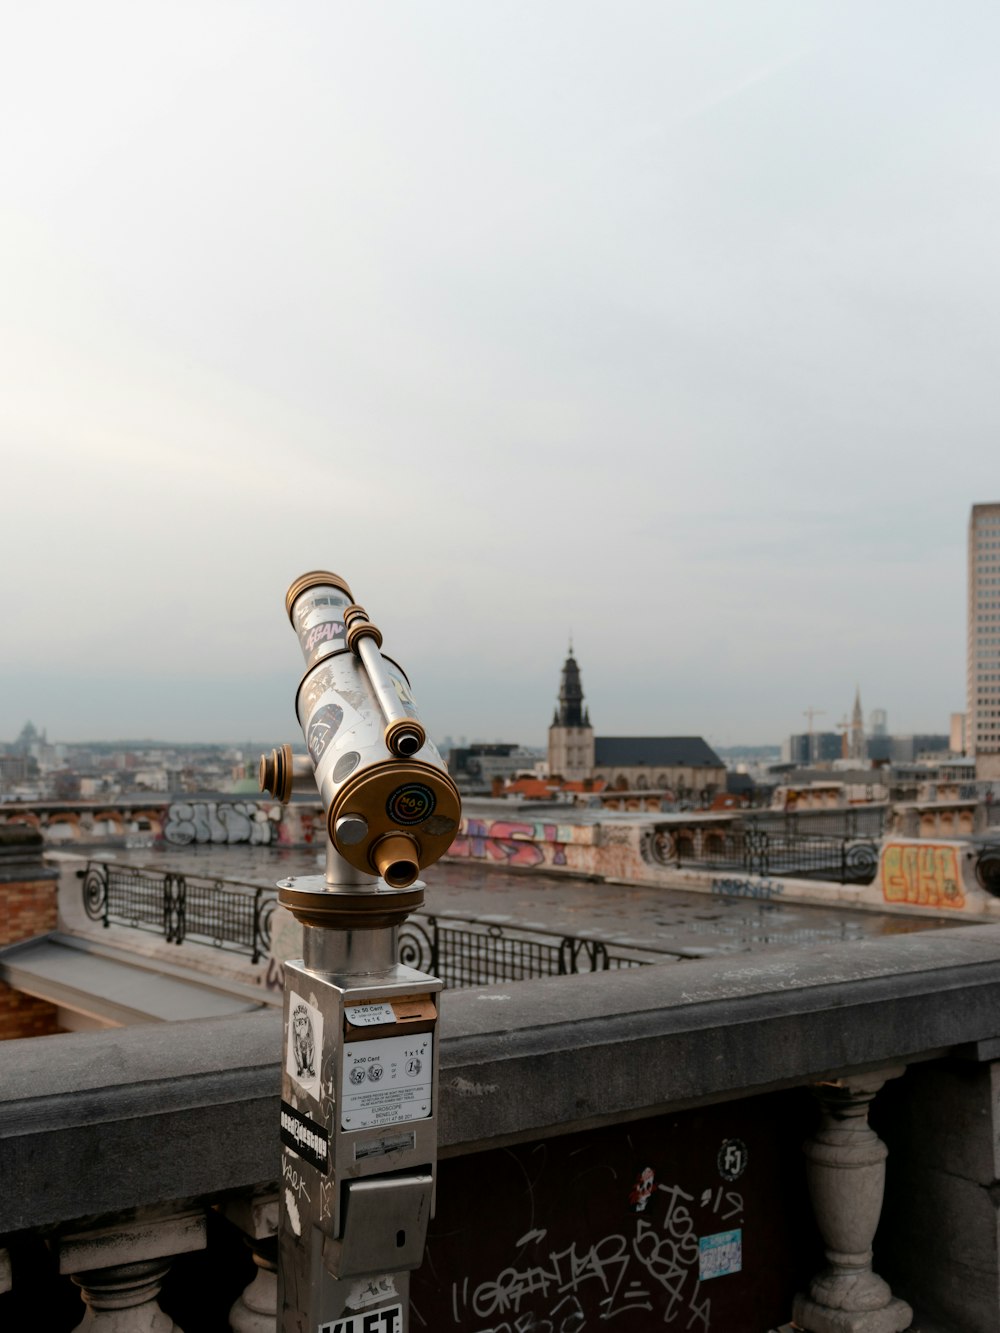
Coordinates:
[408,744]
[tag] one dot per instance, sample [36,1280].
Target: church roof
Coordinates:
[654,751]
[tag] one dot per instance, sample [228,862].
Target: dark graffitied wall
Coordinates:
[692,1221]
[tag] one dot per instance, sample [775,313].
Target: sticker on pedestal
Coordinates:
[305,1044]
[389,1319]
[387,1082]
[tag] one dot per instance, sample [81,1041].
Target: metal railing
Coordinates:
[758,849]
[856,821]
[181,907]
[465,952]
[237,917]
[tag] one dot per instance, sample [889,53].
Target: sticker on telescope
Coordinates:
[305,1137]
[327,631]
[438,825]
[405,697]
[322,729]
[388,1319]
[305,606]
[411,804]
[304,1050]
[346,764]
[387,1081]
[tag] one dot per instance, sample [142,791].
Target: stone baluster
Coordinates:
[256,1309]
[119,1270]
[845,1172]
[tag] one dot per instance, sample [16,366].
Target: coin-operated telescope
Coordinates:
[359,1087]
[391,807]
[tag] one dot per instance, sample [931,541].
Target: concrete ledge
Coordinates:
[93,1123]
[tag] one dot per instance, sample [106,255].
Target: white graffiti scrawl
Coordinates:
[218,821]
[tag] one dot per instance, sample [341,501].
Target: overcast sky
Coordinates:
[669,323]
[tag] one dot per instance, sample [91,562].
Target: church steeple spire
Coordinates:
[570,711]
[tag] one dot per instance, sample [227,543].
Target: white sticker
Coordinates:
[370,1015]
[387,1320]
[369,1291]
[387,1081]
[304,1052]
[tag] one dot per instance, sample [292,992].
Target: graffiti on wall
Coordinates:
[732,889]
[513,843]
[644,1266]
[221,821]
[922,875]
[690,1222]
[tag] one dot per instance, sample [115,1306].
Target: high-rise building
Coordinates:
[856,748]
[983,680]
[878,722]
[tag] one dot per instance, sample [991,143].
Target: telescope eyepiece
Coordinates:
[405,737]
[396,860]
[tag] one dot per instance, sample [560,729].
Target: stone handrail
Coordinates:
[94,1123]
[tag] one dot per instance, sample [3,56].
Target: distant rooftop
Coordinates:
[654,751]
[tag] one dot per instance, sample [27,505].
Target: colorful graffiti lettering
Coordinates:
[922,875]
[329,631]
[515,844]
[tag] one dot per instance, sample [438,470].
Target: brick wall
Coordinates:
[23,1016]
[27,908]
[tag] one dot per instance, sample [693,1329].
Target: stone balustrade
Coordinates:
[656,1115]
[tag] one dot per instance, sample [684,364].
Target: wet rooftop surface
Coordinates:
[632,916]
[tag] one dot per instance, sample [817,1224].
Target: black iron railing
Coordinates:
[856,821]
[759,849]
[181,907]
[465,952]
[229,915]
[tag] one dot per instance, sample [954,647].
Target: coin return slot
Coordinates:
[385,1225]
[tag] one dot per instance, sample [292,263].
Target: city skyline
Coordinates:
[667,327]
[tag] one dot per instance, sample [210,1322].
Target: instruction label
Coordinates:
[370,1015]
[387,1081]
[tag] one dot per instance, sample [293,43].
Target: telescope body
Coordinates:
[391,806]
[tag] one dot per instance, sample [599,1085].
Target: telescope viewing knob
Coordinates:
[351,829]
[274,774]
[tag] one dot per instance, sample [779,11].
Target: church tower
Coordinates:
[571,737]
